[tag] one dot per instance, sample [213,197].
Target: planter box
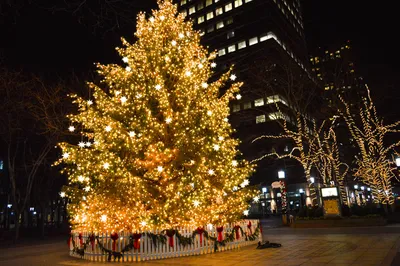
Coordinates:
[344,222]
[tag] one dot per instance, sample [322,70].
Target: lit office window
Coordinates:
[200,6]
[208,2]
[200,19]
[253,41]
[210,15]
[247,1]
[275,116]
[210,28]
[259,102]
[183,2]
[219,11]
[260,119]
[230,34]
[192,10]
[220,24]
[236,108]
[267,36]
[231,48]
[184,12]
[247,105]
[221,52]
[229,21]
[238,3]
[241,45]
[228,7]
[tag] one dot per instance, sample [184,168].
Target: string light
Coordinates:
[71,128]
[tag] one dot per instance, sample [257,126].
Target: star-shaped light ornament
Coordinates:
[209,113]
[188,73]
[162,17]
[143,223]
[238,96]
[90,102]
[168,120]
[216,147]
[213,65]
[160,168]
[87,189]
[211,172]
[200,65]
[234,163]
[62,194]
[246,212]
[108,128]
[106,165]
[128,69]
[256,199]
[81,144]
[173,43]
[81,178]
[71,128]
[65,155]
[235,188]
[158,87]
[233,77]
[226,119]
[204,85]
[123,99]
[181,35]
[132,134]
[220,138]
[103,218]
[196,203]
[245,183]
[125,59]
[88,144]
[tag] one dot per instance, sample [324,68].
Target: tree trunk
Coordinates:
[17,225]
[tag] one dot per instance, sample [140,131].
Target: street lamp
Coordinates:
[264,190]
[281,174]
[301,190]
[312,180]
[398,161]
[355,186]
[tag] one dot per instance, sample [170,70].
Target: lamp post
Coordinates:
[264,191]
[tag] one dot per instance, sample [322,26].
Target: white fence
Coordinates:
[148,250]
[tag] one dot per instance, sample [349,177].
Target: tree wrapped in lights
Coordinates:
[158,152]
[374,163]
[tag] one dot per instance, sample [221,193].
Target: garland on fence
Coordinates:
[78,250]
[162,238]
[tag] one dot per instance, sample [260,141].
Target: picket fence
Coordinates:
[148,251]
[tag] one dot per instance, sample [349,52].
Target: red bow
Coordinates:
[219,230]
[249,226]
[80,239]
[170,234]
[200,231]
[92,238]
[236,228]
[114,237]
[136,238]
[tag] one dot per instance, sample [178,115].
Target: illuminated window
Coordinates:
[247,105]
[200,6]
[267,36]
[253,41]
[230,34]
[220,24]
[183,2]
[200,19]
[202,32]
[1,165]
[184,12]
[241,45]
[210,28]
[210,15]
[219,11]
[192,10]
[259,102]
[275,99]
[228,7]
[275,116]
[247,1]
[221,52]
[260,119]
[238,3]
[236,108]
[208,2]
[229,21]
[231,48]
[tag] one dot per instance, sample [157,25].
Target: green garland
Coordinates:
[161,238]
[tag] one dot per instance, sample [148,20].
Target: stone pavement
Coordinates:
[371,247]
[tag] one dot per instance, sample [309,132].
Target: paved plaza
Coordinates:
[335,246]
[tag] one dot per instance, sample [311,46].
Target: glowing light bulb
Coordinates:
[204,85]
[211,172]
[125,59]
[233,77]
[66,155]
[103,218]
[196,203]
[158,87]
[123,99]
[188,73]
[216,147]
[81,144]
[108,128]
[106,165]
[238,96]
[90,102]
[81,178]
[62,194]
[234,163]
[160,168]
[168,120]
[246,212]
[173,43]
[132,133]
[71,128]
[213,65]
[256,199]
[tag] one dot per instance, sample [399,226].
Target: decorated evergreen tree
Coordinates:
[158,151]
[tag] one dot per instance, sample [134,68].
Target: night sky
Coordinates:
[48,37]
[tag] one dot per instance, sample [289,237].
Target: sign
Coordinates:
[331,207]
[329,192]
[276,184]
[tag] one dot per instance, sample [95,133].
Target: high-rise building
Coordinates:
[264,40]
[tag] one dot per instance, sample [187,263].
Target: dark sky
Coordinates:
[50,37]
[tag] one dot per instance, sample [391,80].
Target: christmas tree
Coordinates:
[158,151]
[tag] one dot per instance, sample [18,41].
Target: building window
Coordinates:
[1,165]
[236,108]
[230,34]
[202,32]
[221,52]
[228,7]
[184,12]
[260,119]
[208,2]
[229,21]
[241,45]
[267,36]
[210,15]
[220,24]
[210,28]
[231,48]
[247,1]
[219,11]
[183,2]
[276,116]
[238,3]
[247,105]
[253,41]
[192,10]
[200,6]
[200,19]
[259,102]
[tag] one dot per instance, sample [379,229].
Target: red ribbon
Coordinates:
[249,226]
[200,231]
[136,238]
[170,234]
[69,240]
[219,230]
[236,228]
[92,238]
[80,239]
[114,237]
